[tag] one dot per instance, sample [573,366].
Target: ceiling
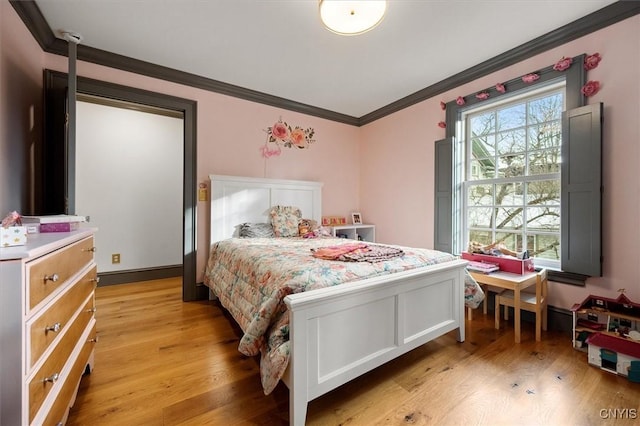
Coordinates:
[281,49]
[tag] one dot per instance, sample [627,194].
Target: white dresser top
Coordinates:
[39,244]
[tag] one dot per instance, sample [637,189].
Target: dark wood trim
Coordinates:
[135,275]
[129,105]
[87,86]
[33,19]
[567,277]
[35,22]
[595,21]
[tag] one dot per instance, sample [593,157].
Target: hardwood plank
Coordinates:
[160,361]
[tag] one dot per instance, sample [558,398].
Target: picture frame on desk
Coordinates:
[356,218]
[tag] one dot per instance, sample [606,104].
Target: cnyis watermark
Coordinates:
[619,413]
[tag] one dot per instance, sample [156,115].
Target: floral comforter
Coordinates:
[252,276]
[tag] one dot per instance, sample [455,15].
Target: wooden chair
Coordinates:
[532,302]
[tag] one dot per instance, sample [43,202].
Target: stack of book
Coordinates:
[483,267]
[52,223]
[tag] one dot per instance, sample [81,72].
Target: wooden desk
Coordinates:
[507,281]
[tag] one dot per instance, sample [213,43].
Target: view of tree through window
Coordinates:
[512,185]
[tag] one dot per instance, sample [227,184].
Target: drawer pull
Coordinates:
[92,310]
[93,340]
[55,328]
[51,379]
[95,280]
[92,249]
[53,278]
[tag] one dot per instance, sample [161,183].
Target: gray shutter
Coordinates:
[582,190]
[443,235]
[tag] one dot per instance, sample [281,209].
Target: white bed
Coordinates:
[405,309]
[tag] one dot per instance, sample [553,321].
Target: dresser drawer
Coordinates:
[46,274]
[55,319]
[50,373]
[58,412]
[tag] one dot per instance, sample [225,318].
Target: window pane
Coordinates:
[545,135]
[480,217]
[483,237]
[543,162]
[511,166]
[483,124]
[511,117]
[509,194]
[480,195]
[546,109]
[544,246]
[543,192]
[509,218]
[511,240]
[483,169]
[483,146]
[543,219]
[512,141]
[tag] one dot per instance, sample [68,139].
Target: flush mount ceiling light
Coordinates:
[351,17]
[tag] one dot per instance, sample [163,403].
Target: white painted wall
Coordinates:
[129,172]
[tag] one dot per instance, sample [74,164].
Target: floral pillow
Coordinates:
[256,230]
[284,220]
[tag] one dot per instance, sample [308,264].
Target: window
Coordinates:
[515,161]
[510,183]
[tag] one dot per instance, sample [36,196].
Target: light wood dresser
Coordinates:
[47,325]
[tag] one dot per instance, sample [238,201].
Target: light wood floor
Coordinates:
[160,361]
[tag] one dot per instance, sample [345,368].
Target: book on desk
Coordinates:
[483,267]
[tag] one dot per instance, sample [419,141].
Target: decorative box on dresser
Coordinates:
[47,325]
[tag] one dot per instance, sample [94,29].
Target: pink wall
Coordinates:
[230,132]
[384,169]
[397,160]
[20,100]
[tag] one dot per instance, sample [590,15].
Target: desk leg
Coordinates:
[516,313]
[485,288]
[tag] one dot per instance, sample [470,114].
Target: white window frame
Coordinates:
[462,162]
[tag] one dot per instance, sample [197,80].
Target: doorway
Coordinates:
[55,146]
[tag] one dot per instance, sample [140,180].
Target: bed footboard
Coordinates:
[340,333]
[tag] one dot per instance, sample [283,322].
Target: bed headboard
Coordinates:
[235,200]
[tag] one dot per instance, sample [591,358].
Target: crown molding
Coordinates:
[34,20]
[595,21]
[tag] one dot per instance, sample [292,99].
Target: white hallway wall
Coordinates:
[129,171]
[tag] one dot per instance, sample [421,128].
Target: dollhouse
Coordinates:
[608,330]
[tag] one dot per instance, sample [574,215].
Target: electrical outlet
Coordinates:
[115,258]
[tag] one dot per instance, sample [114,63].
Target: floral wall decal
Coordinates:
[282,134]
[563,64]
[530,78]
[268,152]
[443,106]
[591,88]
[592,61]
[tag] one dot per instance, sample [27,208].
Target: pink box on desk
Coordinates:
[507,263]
